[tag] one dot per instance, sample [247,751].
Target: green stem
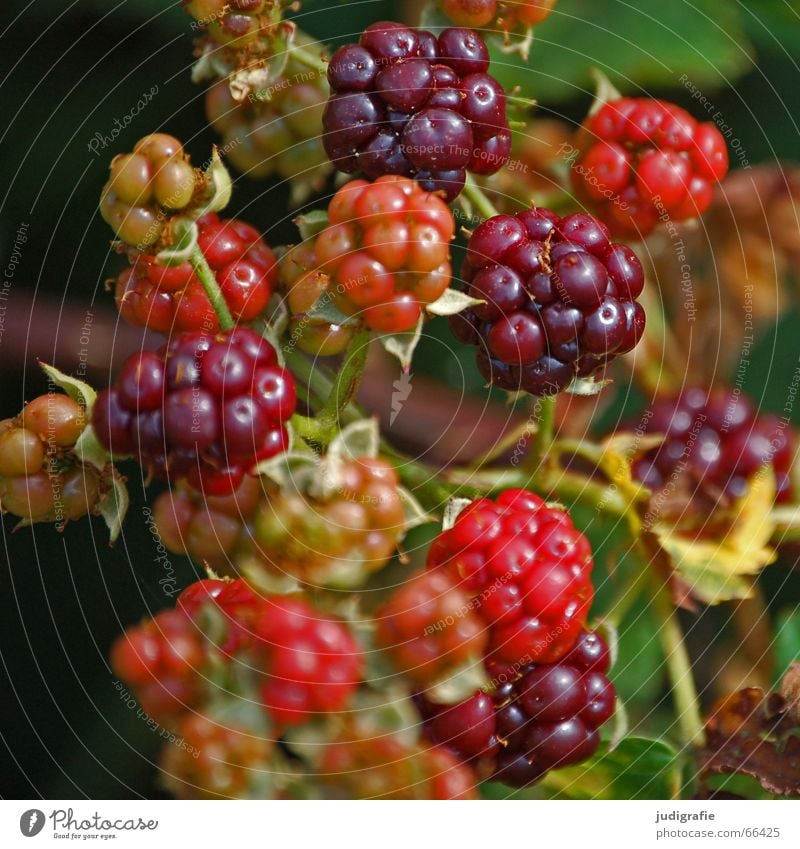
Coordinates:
[545,428]
[349,378]
[209,282]
[311,429]
[679,666]
[474,194]
[305,57]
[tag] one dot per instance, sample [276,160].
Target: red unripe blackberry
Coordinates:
[384,256]
[645,160]
[404,102]
[428,628]
[527,570]
[717,441]
[171,298]
[542,716]
[205,408]
[560,299]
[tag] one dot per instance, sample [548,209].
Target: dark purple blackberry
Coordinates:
[404,102]
[717,440]
[204,407]
[545,718]
[560,299]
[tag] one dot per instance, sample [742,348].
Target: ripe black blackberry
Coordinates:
[545,718]
[404,102]
[560,299]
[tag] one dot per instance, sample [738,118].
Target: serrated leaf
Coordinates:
[451,302]
[414,512]
[403,345]
[311,223]
[637,768]
[454,508]
[89,450]
[184,231]
[78,390]
[113,505]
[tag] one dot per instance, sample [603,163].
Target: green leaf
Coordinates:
[403,345]
[312,223]
[648,43]
[787,641]
[89,450]
[76,389]
[113,506]
[637,769]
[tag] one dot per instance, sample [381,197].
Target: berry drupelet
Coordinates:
[171,298]
[527,570]
[560,299]
[645,160]
[546,717]
[384,256]
[716,441]
[404,102]
[204,407]
[506,13]
[237,23]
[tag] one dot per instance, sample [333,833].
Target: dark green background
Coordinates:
[70,69]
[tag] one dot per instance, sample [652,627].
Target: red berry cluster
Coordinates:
[545,718]
[644,160]
[171,298]
[203,407]
[279,652]
[386,250]
[41,480]
[527,570]
[507,13]
[211,528]
[428,628]
[384,767]
[560,299]
[718,440]
[405,102]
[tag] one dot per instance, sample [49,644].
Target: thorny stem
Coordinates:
[211,287]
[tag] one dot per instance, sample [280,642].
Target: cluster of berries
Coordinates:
[146,187]
[716,442]
[337,538]
[405,102]
[212,528]
[560,299]
[546,717]
[506,13]
[171,298]
[384,255]
[277,652]
[645,160]
[280,135]
[203,407]
[41,480]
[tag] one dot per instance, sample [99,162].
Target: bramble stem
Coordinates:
[349,378]
[309,60]
[679,667]
[209,282]
[543,439]
[474,194]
